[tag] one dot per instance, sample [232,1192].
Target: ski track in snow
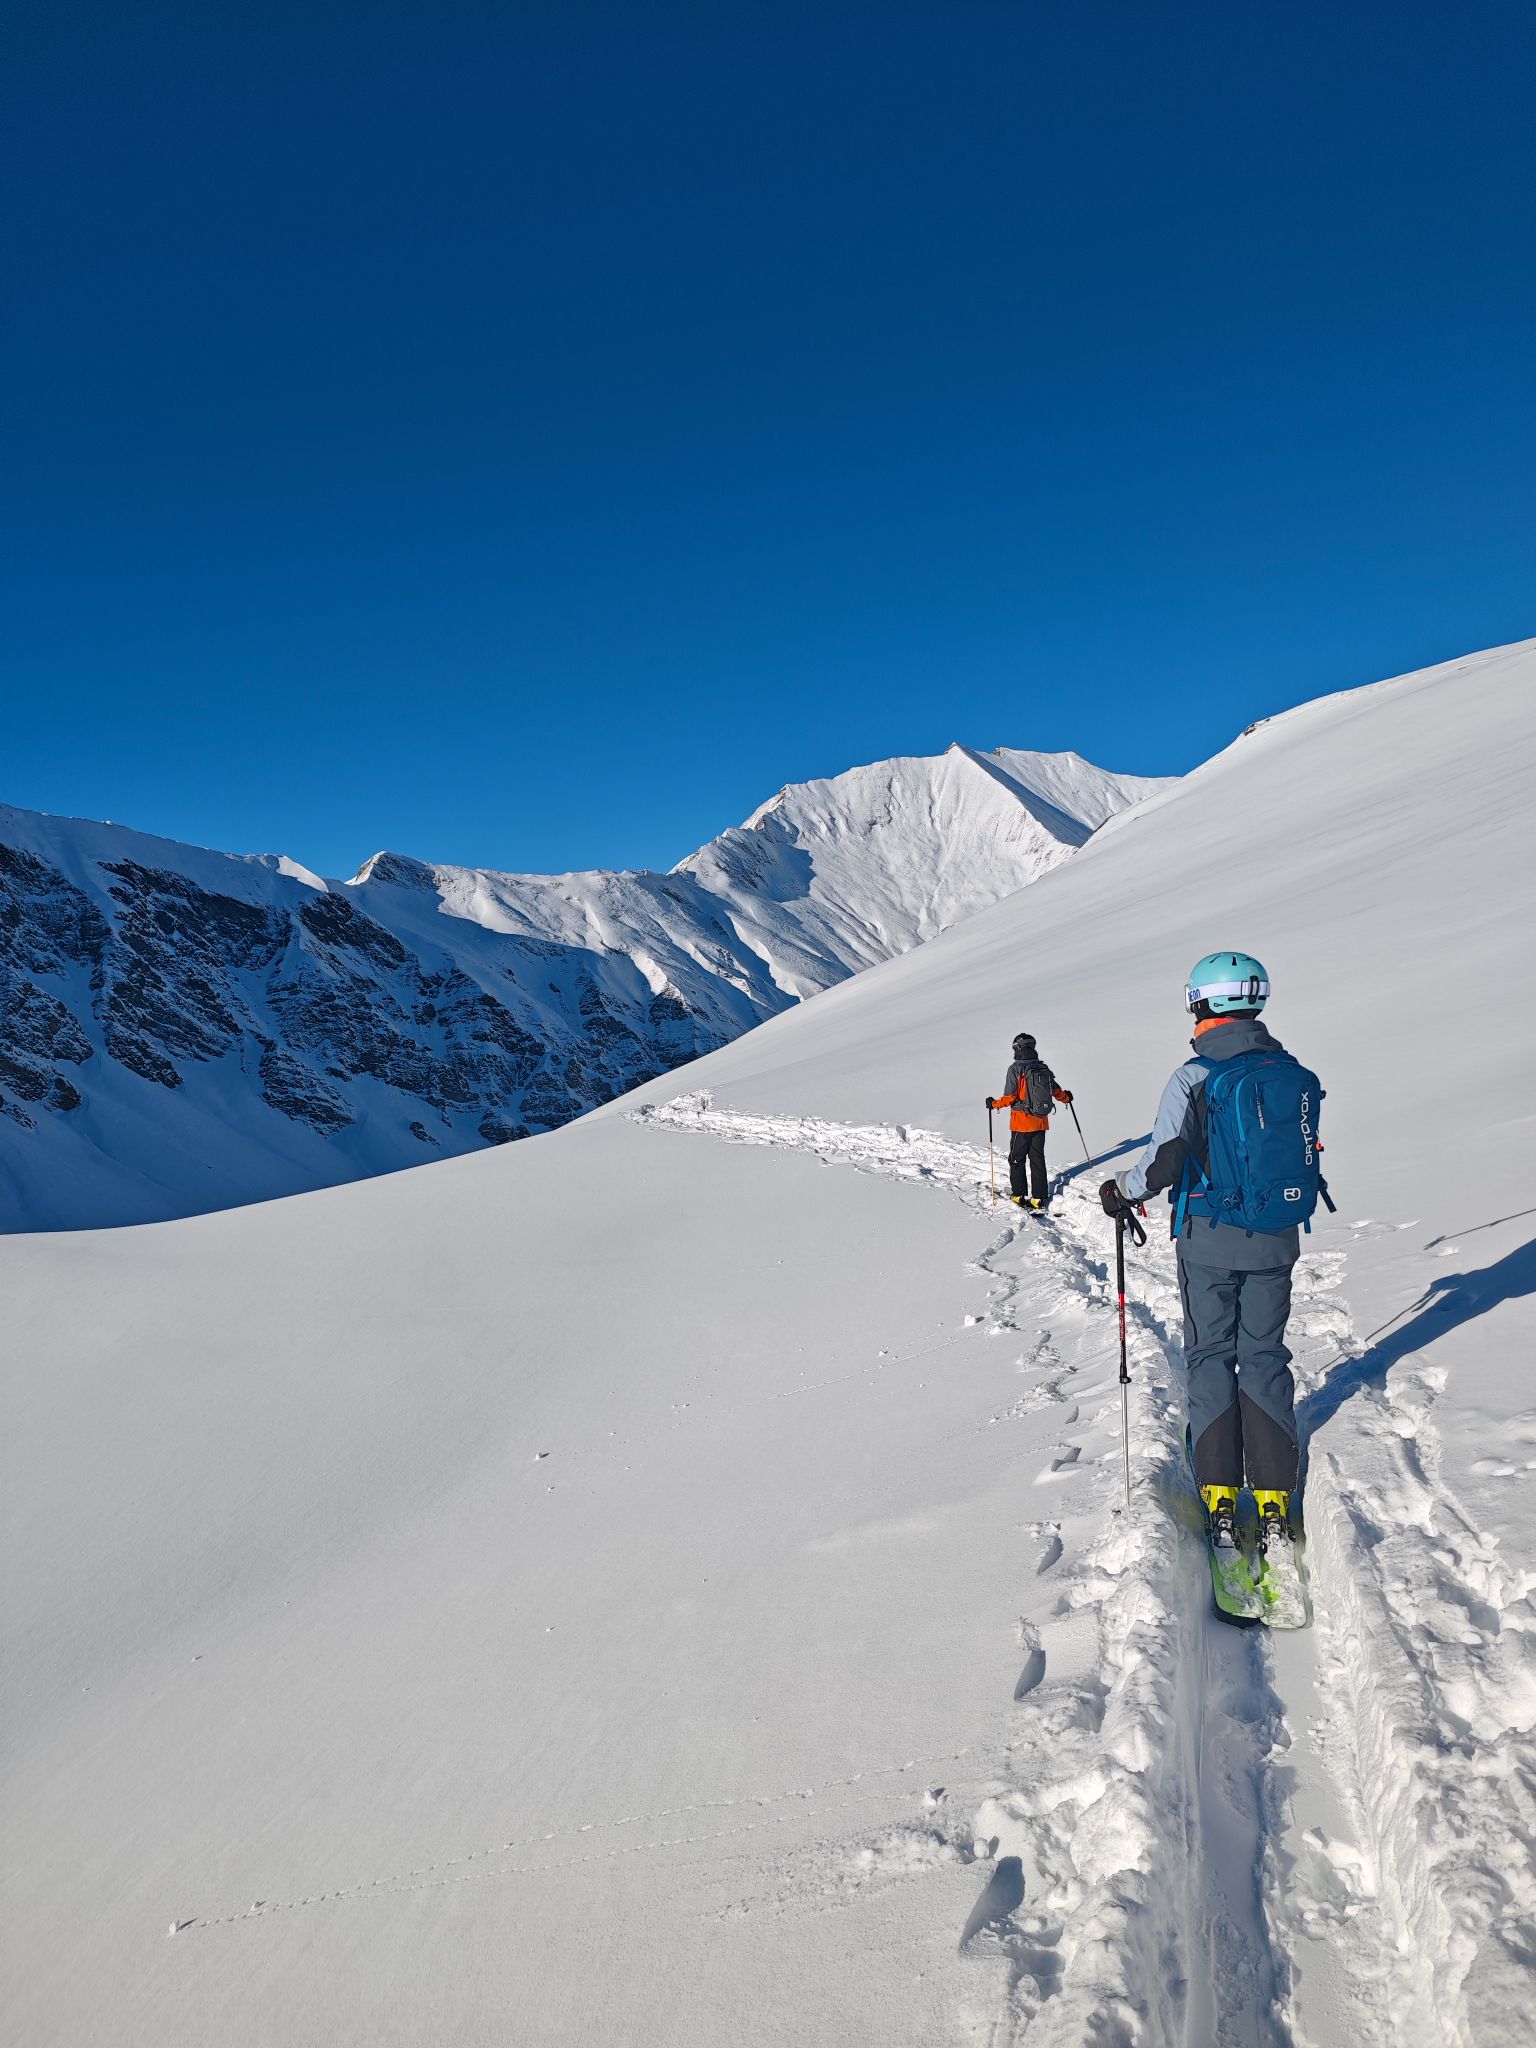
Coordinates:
[1168,1893]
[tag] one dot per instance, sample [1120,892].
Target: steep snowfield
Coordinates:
[181,1030]
[663,1582]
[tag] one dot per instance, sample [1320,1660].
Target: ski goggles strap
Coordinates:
[1254,989]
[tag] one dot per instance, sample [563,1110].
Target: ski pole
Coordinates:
[1087,1156]
[1125,1216]
[992,1158]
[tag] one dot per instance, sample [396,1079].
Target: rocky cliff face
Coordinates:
[181,1029]
[52,930]
[310,997]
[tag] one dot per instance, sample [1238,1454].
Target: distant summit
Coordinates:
[831,876]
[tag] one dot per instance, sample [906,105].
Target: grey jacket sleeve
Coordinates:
[1172,1135]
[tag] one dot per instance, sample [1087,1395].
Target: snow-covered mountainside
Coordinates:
[668,1582]
[181,1030]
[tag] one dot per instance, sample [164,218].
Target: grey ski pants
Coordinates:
[1242,1398]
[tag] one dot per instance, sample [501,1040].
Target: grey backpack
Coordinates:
[1035,1084]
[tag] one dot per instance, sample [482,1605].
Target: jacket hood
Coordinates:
[1228,1036]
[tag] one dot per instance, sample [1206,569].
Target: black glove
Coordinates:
[1066,1094]
[1124,1211]
[990,1103]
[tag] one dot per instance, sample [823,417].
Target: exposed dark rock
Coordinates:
[497,1131]
[547,1105]
[297,1091]
[46,923]
[168,989]
[48,927]
[336,922]
[38,1025]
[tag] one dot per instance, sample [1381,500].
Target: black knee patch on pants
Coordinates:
[1219,1451]
[1268,1453]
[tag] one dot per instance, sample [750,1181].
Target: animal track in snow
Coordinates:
[455,1869]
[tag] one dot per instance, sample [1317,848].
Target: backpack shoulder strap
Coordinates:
[1192,1166]
[1193,1172]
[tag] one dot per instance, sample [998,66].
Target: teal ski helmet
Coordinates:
[1227,981]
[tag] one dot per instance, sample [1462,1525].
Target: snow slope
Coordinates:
[185,1029]
[663,1582]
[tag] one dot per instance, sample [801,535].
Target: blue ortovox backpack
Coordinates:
[1262,1169]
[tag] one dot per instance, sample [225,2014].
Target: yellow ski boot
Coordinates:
[1237,1598]
[1277,1572]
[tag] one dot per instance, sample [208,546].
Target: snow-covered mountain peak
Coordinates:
[873,861]
[1069,795]
[188,1029]
[398,870]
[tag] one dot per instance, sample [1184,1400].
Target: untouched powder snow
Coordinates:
[667,1582]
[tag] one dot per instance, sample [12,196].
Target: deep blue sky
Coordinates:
[529,435]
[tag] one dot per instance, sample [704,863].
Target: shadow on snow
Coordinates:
[1454,1299]
[1066,1173]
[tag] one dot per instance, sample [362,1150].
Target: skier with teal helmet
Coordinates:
[1234,1276]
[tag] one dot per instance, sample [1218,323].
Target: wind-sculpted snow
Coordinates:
[315,1031]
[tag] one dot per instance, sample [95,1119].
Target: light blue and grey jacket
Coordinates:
[1178,1138]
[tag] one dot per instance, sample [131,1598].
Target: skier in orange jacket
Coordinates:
[1030,1092]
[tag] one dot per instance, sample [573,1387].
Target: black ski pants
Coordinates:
[1026,1164]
